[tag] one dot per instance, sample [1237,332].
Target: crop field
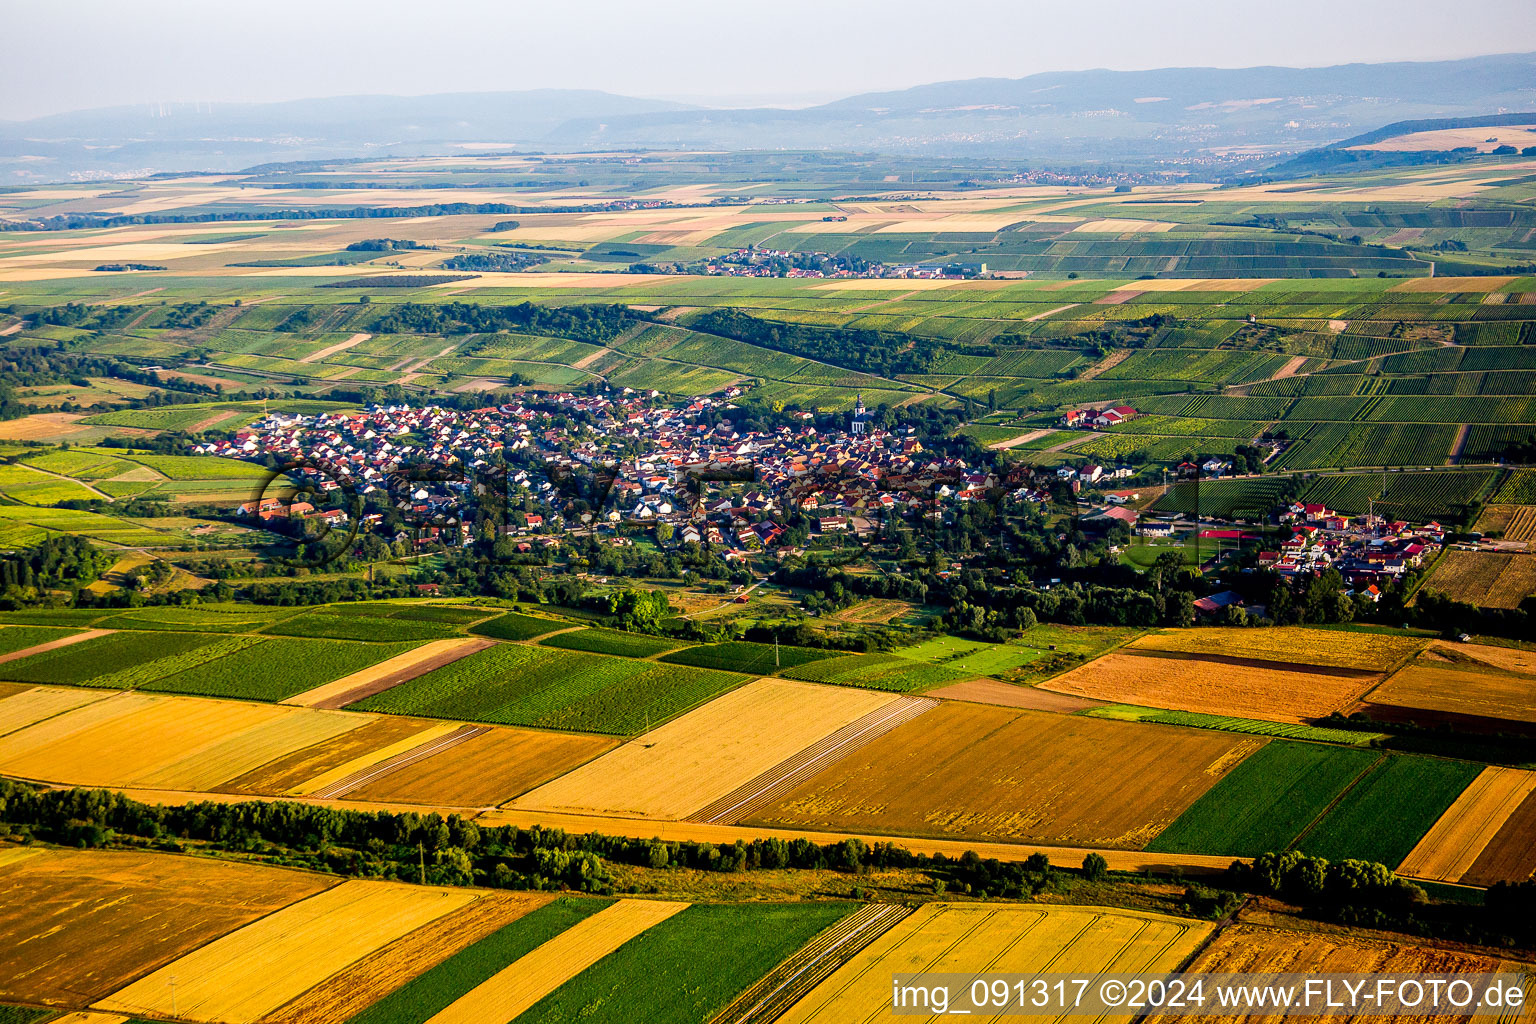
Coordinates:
[1267,801]
[1510,856]
[338,623]
[203,618]
[430,992]
[489,769]
[378,676]
[80,924]
[744,656]
[253,971]
[19,638]
[275,669]
[25,706]
[686,764]
[1277,692]
[878,672]
[306,769]
[613,641]
[515,684]
[958,937]
[1415,497]
[1457,841]
[1229,723]
[684,969]
[1289,645]
[1387,811]
[514,626]
[376,984]
[198,743]
[1251,948]
[979,772]
[1429,693]
[1485,578]
[1229,499]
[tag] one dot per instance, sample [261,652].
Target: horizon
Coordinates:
[155,53]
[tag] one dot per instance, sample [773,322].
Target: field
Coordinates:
[613,641]
[374,740]
[432,991]
[878,672]
[513,626]
[21,638]
[1388,810]
[276,669]
[1510,855]
[1456,842]
[198,744]
[380,676]
[341,622]
[522,983]
[1369,652]
[979,772]
[683,969]
[1215,686]
[743,656]
[1267,801]
[377,983]
[487,769]
[1229,723]
[81,924]
[1484,578]
[686,764]
[1243,948]
[253,971]
[514,684]
[960,938]
[1430,693]
[128,658]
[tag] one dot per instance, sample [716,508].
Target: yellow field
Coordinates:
[1449,691]
[964,938]
[119,752]
[684,765]
[251,972]
[530,978]
[36,703]
[372,757]
[249,749]
[1452,846]
[1297,645]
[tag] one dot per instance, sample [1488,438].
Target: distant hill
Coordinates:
[1197,117]
[1347,156]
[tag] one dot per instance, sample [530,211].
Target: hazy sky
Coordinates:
[73,54]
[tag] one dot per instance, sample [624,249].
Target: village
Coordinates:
[680,474]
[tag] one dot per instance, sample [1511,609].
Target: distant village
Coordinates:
[752,261]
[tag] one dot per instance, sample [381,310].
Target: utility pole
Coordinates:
[421,851]
[775,651]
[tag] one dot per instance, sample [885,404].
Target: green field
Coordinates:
[513,626]
[1266,801]
[19,638]
[1389,809]
[878,672]
[686,969]
[745,656]
[612,641]
[121,659]
[276,668]
[200,618]
[336,622]
[515,684]
[1227,723]
[430,992]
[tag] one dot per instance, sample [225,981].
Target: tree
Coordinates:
[1095,867]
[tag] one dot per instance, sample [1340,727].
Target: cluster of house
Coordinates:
[1097,417]
[637,461]
[1368,551]
[752,261]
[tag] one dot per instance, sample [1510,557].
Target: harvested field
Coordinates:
[1006,695]
[977,772]
[1298,647]
[524,982]
[489,769]
[1429,693]
[962,938]
[438,742]
[79,924]
[1252,948]
[114,752]
[1484,578]
[35,703]
[392,672]
[682,766]
[1511,855]
[355,768]
[1214,687]
[1457,840]
[254,971]
[281,775]
[1506,659]
[344,995]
